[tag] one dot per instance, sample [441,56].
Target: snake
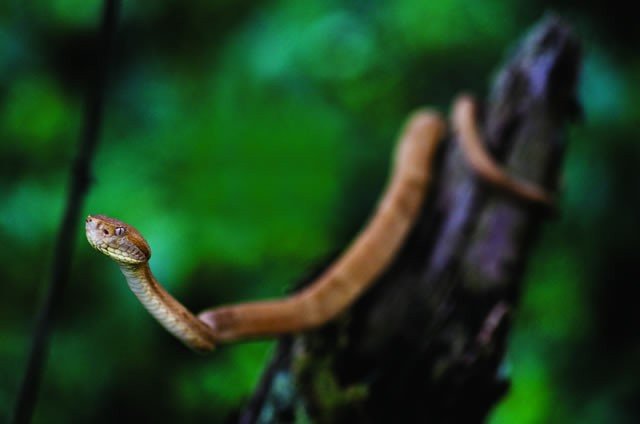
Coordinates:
[367,256]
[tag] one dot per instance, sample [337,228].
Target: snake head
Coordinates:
[116,239]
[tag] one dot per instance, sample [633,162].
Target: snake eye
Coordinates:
[120,231]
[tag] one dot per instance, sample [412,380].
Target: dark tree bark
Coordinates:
[425,344]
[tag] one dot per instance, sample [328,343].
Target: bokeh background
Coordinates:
[249,139]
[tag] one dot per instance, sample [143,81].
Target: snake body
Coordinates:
[368,255]
[463,120]
[355,270]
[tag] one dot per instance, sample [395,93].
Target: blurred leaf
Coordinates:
[37,117]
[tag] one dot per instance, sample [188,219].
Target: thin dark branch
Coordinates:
[80,180]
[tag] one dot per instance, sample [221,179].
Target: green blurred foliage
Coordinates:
[247,141]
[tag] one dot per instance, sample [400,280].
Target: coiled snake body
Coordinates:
[365,259]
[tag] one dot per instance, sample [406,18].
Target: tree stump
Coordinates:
[426,343]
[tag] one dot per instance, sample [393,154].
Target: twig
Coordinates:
[80,180]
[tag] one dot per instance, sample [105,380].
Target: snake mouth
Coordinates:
[91,230]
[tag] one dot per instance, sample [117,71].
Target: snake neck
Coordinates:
[170,313]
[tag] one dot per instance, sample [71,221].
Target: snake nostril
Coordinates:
[105,232]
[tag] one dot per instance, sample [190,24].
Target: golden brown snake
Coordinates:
[463,122]
[369,254]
